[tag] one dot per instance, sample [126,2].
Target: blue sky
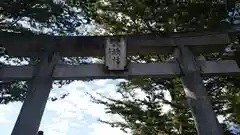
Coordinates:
[75,114]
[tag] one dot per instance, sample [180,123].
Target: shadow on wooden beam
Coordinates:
[29,45]
[96,71]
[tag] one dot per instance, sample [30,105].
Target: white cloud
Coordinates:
[103,129]
[8,116]
[68,116]
[3,119]
[75,114]
[76,111]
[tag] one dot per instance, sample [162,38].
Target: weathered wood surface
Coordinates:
[40,85]
[198,101]
[28,45]
[96,71]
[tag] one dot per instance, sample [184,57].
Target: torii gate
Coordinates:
[186,65]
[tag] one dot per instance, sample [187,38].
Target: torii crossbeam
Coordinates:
[50,48]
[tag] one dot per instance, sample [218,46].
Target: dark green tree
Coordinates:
[164,17]
[142,116]
[37,17]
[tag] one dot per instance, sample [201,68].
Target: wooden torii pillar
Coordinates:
[199,103]
[32,109]
[39,87]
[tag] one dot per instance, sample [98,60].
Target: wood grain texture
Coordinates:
[96,71]
[29,45]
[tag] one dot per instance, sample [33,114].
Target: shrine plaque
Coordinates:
[115,54]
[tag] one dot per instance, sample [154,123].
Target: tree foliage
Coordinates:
[156,16]
[145,115]
[56,16]
[51,17]
[164,17]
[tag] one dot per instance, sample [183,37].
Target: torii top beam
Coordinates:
[28,45]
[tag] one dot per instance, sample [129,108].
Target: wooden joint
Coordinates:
[175,57]
[187,61]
